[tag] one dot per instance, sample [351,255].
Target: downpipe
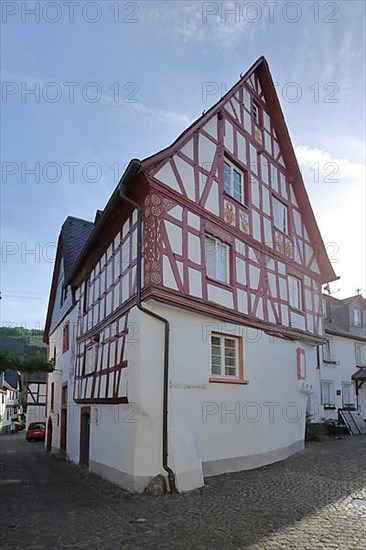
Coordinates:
[132,170]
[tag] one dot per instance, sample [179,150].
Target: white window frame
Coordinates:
[256,110]
[214,247]
[223,338]
[231,190]
[330,385]
[327,350]
[280,217]
[358,355]
[295,292]
[349,385]
[357,317]
[90,352]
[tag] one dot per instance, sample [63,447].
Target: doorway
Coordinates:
[84,436]
[63,434]
[49,435]
[63,430]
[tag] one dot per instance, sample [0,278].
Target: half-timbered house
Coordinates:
[59,334]
[198,299]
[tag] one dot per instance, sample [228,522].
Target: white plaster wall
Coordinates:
[35,414]
[344,355]
[270,367]
[125,439]
[65,363]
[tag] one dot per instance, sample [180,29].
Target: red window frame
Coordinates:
[66,337]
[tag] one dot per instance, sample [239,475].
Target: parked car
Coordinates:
[36,431]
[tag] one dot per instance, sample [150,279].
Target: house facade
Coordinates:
[59,335]
[339,381]
[198,304]
[10,386]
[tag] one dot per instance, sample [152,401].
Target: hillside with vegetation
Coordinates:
[14,339]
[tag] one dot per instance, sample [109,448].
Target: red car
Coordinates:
[36,431]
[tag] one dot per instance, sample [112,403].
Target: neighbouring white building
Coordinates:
[340,380]
[197,307]
[9,401]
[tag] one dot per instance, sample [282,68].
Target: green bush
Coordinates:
[314,431]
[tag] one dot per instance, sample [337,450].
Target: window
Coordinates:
[280,218]
[357,316]
[52,396]
[63,295]
[256,110]
[85,300]
[358,354]
[328,352]
[224,356]
[65,337]
[347,395]
[217,259]
[233,181]
[295,292]
[89,359]
[301,364]
[328,398]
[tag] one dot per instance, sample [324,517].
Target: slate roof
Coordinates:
[74,233]
[73,236]
[339,314]
[12,377]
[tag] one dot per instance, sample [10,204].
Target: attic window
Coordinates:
[256,110]
[234,182]
[357,316]
[280,217]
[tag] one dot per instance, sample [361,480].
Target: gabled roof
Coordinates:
[73,236]
[262,69]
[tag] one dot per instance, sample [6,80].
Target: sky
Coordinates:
[86,86]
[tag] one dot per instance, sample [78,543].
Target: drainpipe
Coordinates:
[132,169]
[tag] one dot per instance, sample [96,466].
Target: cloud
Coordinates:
[337,191]
[220,24]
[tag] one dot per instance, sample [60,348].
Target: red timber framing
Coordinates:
[100,371]
[182,192]
[187,201]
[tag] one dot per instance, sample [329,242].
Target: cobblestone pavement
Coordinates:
[311,501]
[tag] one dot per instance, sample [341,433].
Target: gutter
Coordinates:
[132,170]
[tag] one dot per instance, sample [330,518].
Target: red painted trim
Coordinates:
[299,354]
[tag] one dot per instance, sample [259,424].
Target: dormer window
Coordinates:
[357,317]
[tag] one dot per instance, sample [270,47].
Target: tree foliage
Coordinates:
[35,363]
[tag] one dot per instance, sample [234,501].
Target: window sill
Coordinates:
[297,310]
[329,362]
[239,203]
[329,407]
[227,286]
[228,381]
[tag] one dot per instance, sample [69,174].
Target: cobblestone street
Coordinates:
[311,501]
